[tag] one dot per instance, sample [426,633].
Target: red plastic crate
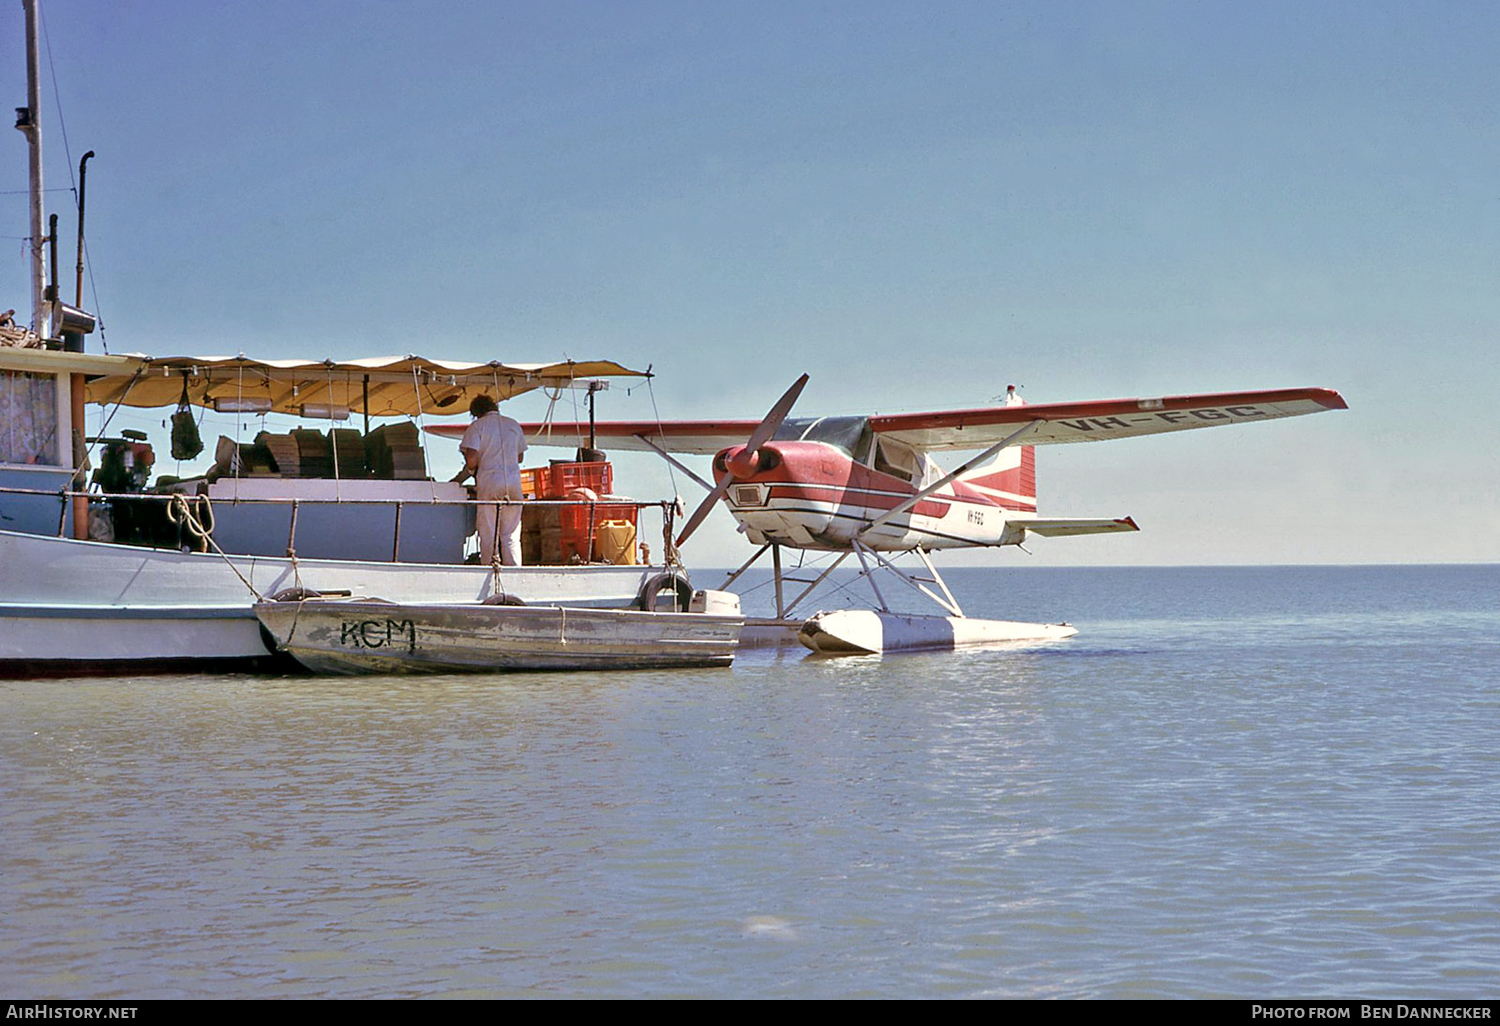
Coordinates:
[535,481]
[575,519]
[578,529]
[564,477]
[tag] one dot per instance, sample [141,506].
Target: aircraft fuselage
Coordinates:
[813,495]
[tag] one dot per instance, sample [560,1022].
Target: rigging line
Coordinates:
[94,291]
[660,431]
[119,404]
[846,590]
[805,561]
[332,441]
[545,430]
[239,401]
[553,394]
[62,123]
[416,387]
[62,126]
[202,413]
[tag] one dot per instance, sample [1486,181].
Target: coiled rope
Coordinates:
[195,515]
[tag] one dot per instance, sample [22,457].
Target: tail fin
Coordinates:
[1010,478]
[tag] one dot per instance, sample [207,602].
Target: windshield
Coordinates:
[849,434]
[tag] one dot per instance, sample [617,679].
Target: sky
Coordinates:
[916,204]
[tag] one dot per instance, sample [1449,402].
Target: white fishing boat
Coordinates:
[189,558]
[105,568]
[373,636]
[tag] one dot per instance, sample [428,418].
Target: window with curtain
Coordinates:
[28,418]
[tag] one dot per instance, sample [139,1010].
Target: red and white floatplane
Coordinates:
[868,486]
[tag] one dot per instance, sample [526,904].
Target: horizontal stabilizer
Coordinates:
[1066,527]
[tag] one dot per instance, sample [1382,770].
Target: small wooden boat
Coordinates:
[374,636]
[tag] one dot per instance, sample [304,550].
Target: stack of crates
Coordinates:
[593,533]
[553,535]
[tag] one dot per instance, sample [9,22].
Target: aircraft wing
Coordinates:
[1101,419]
[704,437]
[1056,423]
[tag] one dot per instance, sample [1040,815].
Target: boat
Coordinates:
[350,636]
[107,569]
[115,590]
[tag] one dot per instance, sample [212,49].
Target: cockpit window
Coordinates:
[851,435]
[897,460]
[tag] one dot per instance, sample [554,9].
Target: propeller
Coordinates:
[759,437]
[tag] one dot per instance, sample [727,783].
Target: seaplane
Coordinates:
[868,486]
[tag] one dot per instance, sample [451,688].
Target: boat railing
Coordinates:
[199,508]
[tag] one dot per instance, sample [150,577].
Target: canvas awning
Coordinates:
[394,385]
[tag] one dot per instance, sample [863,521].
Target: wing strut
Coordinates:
[949,478]
[673,460]
[946,600]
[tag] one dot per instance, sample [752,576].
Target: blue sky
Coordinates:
[917,204]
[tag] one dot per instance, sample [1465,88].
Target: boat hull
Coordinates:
[866,632]
[382,637]
[81,607]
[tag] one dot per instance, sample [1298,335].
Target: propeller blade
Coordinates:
[758,437]
[720,490]
[761,435]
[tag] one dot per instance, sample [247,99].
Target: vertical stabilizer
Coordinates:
[1010,478]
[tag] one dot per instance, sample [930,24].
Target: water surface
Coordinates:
[1234,782]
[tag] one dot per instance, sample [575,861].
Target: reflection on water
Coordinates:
[1205,793]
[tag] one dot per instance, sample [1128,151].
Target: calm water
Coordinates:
[1234,782]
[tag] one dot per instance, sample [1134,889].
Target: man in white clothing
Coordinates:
[493,446]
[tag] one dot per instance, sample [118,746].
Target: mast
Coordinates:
[28,120]
[70,414]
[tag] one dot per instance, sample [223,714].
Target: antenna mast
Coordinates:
[28,120]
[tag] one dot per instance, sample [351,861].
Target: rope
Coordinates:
[495,561]
[88,451]
[62,125]
[670,556]
[332,441]
[180,511]
[661,433]
[239,401]
[416,387]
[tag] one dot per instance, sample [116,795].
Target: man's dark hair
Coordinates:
[481,405]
